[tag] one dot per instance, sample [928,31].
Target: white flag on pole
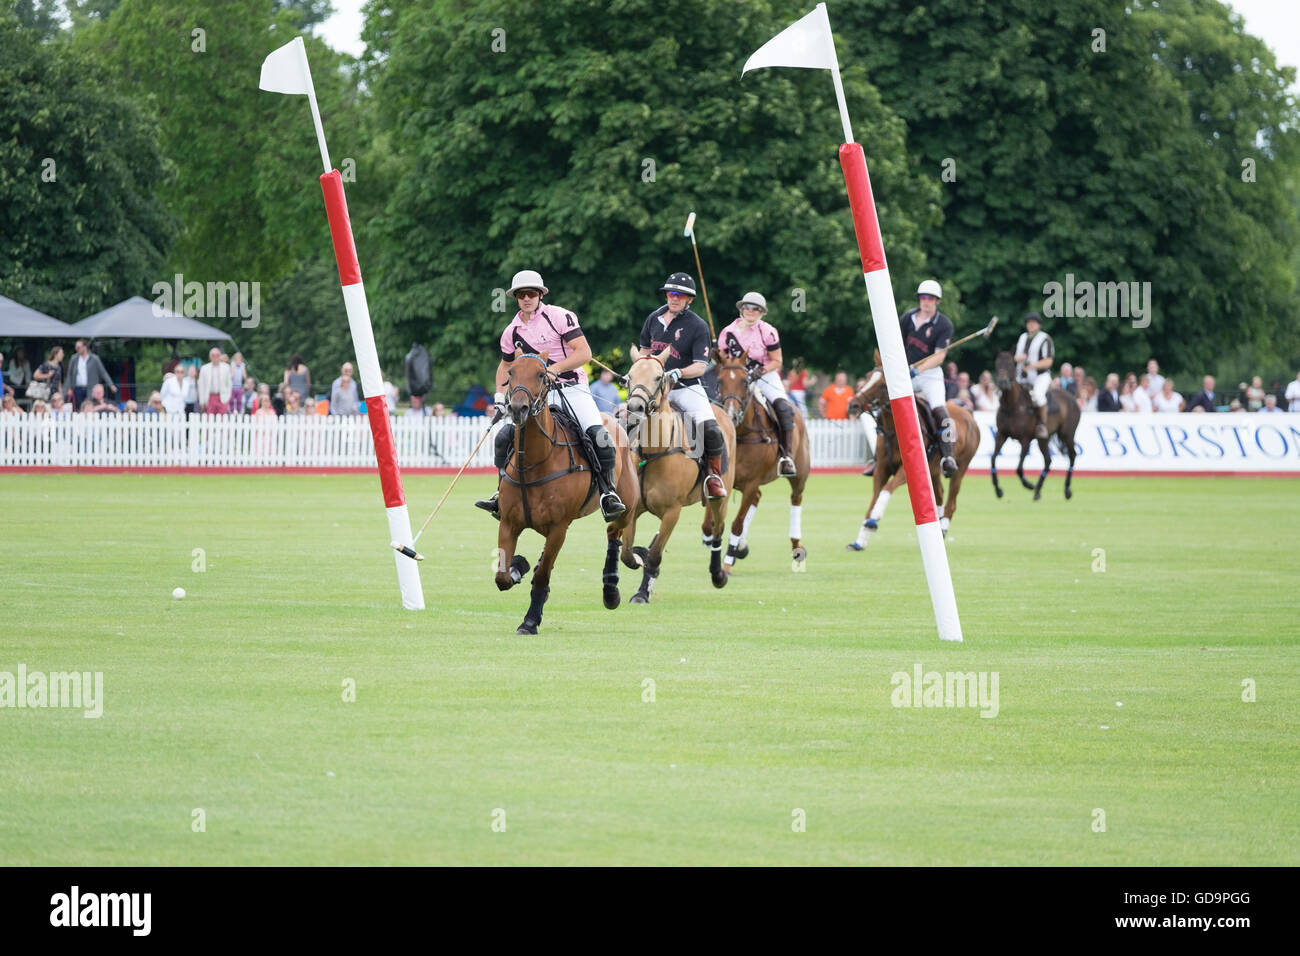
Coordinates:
[285,70]
[805,43]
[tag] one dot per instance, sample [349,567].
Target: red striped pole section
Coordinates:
[898,381]
[372,386]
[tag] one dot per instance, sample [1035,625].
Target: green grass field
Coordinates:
[771,696]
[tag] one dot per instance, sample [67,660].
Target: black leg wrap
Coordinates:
[505,445]
[604,462]
[942,426]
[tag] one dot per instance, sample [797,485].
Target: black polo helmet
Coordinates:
[679,282]
[1034,317]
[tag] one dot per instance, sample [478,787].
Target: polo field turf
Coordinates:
[750,725]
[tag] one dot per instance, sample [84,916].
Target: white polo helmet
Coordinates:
[528,279]
[930,287]
[755,299]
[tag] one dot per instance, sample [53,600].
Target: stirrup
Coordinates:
[785,467]
[611,505]
[709,494]
[491,505]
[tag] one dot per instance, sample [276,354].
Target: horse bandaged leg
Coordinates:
[796,521]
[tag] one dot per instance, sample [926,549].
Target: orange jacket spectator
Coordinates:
[834,401]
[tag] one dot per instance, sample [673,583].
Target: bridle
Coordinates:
[535,402]
[737,417]
[650,397]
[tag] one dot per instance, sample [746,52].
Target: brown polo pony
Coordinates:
[889,475]
[1017,419]
[548,483]
[758,449]
[670,479]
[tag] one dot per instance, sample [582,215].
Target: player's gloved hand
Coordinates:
[911,371]
[499,403]
[673,376]
[756,373]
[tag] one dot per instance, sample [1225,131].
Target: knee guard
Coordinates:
[505,445]
[714,442]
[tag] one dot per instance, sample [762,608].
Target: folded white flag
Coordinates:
[805,43]
[285,70]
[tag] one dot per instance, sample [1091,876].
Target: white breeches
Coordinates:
[930,385]
[771,387]
[692,402]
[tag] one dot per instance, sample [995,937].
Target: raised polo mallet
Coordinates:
[987,330]
[690,231]
[411,552]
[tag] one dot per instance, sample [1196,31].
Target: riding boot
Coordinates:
[611,505]
[1041,430]
[505,444]
[943,426]
[785,420]
[714,444]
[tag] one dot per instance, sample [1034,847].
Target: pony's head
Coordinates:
[873,395]
[1004,371]
[527,385]
[647,386]
[733,386]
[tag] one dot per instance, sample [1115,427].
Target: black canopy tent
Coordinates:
[18,321]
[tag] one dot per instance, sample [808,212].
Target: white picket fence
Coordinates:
[309,441]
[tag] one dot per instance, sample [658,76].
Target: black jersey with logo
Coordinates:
[687,335]
[928,339]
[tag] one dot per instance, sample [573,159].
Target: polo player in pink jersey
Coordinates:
[539,328]
[751,336]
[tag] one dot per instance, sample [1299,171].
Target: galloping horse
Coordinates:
[1017,419]
[548,483]
[757,451]
[889,474]
[669,477]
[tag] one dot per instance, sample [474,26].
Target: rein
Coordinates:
[761,432]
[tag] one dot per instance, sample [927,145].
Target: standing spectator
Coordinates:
[190,389]
[238,376]
[985,393]
[1270,403]
[51,371]
[605,392]
[85,371]
[1203,401]
[4,389]
[1255,395]
[796,383]
[343,394]
[418,409]
[1168,400]
[297,376]
[1155,381]
[1087,395]
[214,384]
[950,385]
[1108,400]
[1293,394]
[1127,400]
[390,397]
[97,403]
[250,392]
[1142,395]
[172,393]
[19,374]
[1068,381]
[834,401]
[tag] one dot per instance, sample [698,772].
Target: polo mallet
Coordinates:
[690,231]
[411,552]
[987,330]
[622,379]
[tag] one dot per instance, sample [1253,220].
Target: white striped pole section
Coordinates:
[372,386]
[880,293]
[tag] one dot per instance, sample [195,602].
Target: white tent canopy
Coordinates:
[138,318]
[17,321]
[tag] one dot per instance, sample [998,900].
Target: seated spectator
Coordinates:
[58,410]
[985,393]
[1155,381]
[293,403]
[606,393]
[88,407]
[1168,400]
[1292,395]
[1108,398]
[1270,403]
[39,408]
[131,407]
[98,405]
[1204,400]
[834,400]
[155,405]
[418,409]
[1236,406]
[9,406]
[1142,395]
[1067,381]
[1080,376]
[262,407]
[343,394]
[1255,395]
[950,381]
[19,373]
[439,410]
[964,395]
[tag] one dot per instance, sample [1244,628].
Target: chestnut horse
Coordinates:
[757,452]
[1017,419]
[548,483]
[670,478]
[889,473]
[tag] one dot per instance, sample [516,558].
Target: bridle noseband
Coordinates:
[649,397]
[535,402]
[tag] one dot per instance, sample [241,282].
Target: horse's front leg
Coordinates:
[1020,465]
[999,440]
[1044,447]
[609,579]
[509,567]
[748,501]
[542,579]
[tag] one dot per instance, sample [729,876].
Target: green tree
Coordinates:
[1112,164]
[80,172]
[575,136]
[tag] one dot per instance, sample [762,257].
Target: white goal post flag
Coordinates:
[805,43]
[286,71]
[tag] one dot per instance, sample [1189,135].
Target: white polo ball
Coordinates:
[179,593]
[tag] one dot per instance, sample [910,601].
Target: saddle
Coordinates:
[927,425]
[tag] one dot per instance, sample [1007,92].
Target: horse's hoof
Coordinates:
[505,585]
[641,555]
[1037,495]
[720,579]
[528,627]
[640,598]
[612,597]
[1068,494]
[999,491]
[742,552]
[800,554]
[853,546]
[871,524]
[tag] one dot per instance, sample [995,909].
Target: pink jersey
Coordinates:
[755,342]
[551,329]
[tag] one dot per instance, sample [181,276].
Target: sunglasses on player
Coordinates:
[527,294]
